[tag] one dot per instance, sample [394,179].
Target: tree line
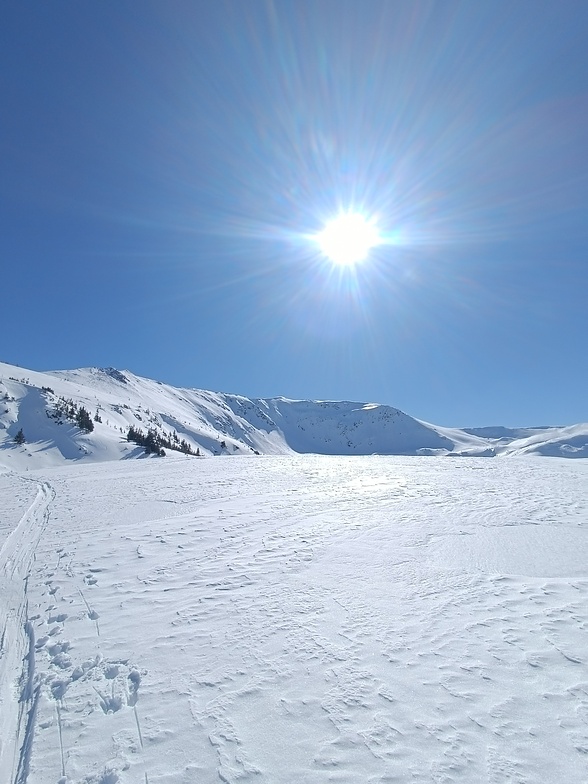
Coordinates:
[156,444]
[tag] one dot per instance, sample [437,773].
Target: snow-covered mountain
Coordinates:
[46,408]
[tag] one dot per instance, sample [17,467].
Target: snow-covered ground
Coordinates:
[300,620]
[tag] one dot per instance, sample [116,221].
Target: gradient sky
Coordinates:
[165,165]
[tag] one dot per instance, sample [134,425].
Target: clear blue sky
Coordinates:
[164,163]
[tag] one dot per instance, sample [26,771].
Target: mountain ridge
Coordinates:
[216,423]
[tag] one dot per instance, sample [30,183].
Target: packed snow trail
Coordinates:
[19,689]
[311,620]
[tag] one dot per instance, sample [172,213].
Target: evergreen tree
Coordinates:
[135,435]
[151,443]
[19,438]
[154,443]
[84,420]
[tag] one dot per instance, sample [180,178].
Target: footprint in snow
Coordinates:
[134,680]
[59,687]
[62,646]
[60,618]
[109,704]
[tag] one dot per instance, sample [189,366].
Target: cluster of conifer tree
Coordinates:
[67,409]
[154,443]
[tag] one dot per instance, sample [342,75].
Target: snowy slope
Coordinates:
[223,424]
[558,442]
[295,620]
[571,441]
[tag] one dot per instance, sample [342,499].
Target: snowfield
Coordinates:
[295,620]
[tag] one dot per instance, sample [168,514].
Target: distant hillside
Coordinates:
[86,415]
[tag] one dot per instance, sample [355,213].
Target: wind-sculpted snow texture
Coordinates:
[296,619]
[214,423]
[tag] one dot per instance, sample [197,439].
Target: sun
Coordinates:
[347,239]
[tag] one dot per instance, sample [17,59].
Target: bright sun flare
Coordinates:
[347,240]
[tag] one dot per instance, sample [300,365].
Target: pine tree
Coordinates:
[84,420]
[19,438]
[134,435]
[152,442]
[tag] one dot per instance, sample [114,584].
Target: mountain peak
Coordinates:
[48,408]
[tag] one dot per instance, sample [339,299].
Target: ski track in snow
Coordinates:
[299,620]
[19,687]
